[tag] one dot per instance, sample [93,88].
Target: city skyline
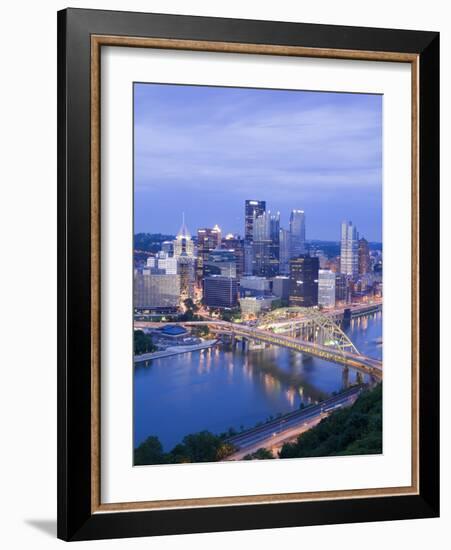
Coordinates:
[244,141]
[193,228]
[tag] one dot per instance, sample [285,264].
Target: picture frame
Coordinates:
[81,36]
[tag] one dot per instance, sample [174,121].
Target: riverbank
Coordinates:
[174,350]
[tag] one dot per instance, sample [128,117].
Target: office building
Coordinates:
[349,249]
[364,257]
[155,291]
[265,244]
[281,287]
[341,288]
[248,258]
[326,288]
[297,230]
[220,262]
[220,292]
[323,259]
[168,247]
[162,263]
[184,254]
[252,209]
[284,251]
[254,286]
[235,245]
[304,281]
[207,240]
[251,306]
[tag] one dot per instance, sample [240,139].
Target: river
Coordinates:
[224,387]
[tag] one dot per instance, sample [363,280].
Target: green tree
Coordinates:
[150,451]
[350,431]
[201,447]
[142,343]
[260,454]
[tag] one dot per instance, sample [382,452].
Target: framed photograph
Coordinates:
[248,274]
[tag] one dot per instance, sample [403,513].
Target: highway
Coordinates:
[290,425]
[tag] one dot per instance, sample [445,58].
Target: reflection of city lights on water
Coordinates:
[270,382]
[290,396]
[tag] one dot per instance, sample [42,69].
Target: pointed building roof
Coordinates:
[183,231]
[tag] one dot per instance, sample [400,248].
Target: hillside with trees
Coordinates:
[355,430]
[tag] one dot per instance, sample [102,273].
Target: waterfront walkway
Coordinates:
[174,350]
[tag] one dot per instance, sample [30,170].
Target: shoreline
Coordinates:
[174,350]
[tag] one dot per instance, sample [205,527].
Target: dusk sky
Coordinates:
[204,150]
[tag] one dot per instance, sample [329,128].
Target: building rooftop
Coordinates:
[172,330]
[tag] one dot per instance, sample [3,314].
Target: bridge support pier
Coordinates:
[345,378]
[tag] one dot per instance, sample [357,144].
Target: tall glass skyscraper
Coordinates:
[265,244]
[284,251]
[349,250]
[252,209]
[297,230]
[207,240]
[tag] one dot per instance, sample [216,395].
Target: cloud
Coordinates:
[247,141]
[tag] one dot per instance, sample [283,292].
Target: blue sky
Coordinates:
[204,150]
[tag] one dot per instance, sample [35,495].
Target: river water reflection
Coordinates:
[216,389]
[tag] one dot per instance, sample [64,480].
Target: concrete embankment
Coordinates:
[174,350]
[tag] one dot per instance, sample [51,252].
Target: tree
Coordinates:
[201,447]
[260,454]
[350,431]
[142,343]
[224,450]
[150,452]
[189,304]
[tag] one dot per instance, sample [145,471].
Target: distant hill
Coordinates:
[150,242]
[332,248]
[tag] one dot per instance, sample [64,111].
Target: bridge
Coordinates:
[308,324]
[361,363]
[331,344]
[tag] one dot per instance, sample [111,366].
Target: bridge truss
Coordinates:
[322,328]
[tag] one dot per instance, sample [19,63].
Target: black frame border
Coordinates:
[75,520]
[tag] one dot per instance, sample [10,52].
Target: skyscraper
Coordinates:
[304,281]
[252,209]
[349,250]
[326,288]
[235,245]
[284,251]
[297,230]
[183,245]
[155,291]
[364,257]
[184,254]
[220,292]
[341,288]
[207,240]
[265,244]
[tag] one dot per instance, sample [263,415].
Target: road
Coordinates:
[290,425]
